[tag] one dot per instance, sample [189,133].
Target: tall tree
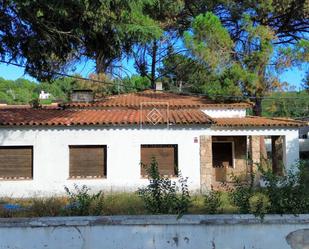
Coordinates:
[49,35]
[288,19]
[246,62]
[149,57]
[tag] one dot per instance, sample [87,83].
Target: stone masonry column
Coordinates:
[205,163]
[255,152]
[277,154]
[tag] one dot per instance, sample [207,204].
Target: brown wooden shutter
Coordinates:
[87,161]
[16,162]
[222,154]
[165,155]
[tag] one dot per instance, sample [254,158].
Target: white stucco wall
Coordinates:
[225,113]
[151,232]
[51,154]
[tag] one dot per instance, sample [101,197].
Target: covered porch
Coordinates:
[235,152]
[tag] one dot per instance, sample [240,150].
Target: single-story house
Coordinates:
[103,143]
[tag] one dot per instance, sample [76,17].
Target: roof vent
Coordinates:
[82,96]
[159,86]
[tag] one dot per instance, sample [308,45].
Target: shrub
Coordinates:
[259,204]
[212,202]
[282,194]
[163,196]
[288,193]
[82,203]
[242,193]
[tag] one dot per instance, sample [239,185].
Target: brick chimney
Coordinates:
[82,96]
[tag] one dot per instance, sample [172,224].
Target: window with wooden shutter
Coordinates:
[165,155]
[16,162]
[87,161]
[222,154]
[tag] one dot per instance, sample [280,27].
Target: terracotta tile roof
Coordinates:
[253,121]
[53,117]
[149,97]
[59,117]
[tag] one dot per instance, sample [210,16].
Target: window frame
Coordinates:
[103,146]
[176,159]
[32,163]
[233,152]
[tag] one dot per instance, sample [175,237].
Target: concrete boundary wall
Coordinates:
[166,231]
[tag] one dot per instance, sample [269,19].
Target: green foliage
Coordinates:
[83,203]
[241,195]
[239,66]
[164,196]
[288,193]
[286,104]
[133,83]
[59,33]
[22,91]
[209,41]
[213,202]
[259,204]
[35,103]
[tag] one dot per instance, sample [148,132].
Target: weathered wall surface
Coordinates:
[51,154]
[150,232]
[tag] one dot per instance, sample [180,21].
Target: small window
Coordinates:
[87,161]
[16,162]
[222,154]
[165,155]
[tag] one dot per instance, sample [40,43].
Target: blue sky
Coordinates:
[293,76]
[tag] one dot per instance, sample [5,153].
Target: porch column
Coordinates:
[277,154]
[290,150]
[205,163]
[255,152]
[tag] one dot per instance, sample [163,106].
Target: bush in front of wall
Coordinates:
[259,204]
[282,194]
[212,202]
[82,203]
[241,194]
[288,194]
[164,196]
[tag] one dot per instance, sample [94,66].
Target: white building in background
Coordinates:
[44,95]
[102,143]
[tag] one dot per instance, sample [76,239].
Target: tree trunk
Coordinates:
[153,64]
[257,109]
[101,65]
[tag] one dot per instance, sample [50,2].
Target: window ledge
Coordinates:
[16,179]
[87,178]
